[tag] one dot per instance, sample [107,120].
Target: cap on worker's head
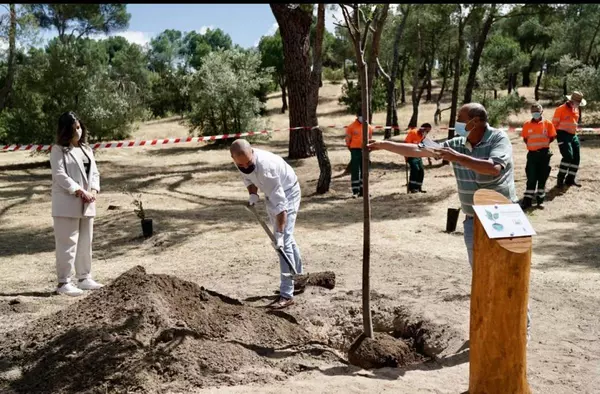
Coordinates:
[537,107]
[577,97]
[426,126]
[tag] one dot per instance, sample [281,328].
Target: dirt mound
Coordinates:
[145,333]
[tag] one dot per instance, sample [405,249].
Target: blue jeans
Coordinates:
[468,227]
[290,248]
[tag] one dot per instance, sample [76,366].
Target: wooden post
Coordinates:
[499,299]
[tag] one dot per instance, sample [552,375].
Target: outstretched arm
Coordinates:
[404,149]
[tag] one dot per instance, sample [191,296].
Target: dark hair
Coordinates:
[65,132]
[426,125]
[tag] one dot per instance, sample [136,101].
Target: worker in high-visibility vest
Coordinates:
[566,118]
[538,134]
[417,171]
[354,140]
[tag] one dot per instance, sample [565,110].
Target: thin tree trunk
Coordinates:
[415,85]
[538,82]
[457,72]
[510,83]
[527,75]
[359,41]
[10,74]
[495,94]
[392,112]
[402,86]
[366,280]
[477,55]
[591,47]
[373,54]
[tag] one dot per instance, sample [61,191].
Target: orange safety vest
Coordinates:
[354,134]
[566,118]
[538,134]
[413,137]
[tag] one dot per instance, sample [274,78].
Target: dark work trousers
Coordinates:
[417,173]
[569,150]
[537,170]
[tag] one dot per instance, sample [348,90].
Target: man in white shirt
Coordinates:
[268,172]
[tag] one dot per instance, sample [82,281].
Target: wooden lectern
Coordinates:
[499,299]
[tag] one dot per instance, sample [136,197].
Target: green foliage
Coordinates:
[351,96]
[73,21]
[223,98]
[587,80]
[501,108]
[333,76]
[68,76]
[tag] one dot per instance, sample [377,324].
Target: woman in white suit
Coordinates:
[75,183]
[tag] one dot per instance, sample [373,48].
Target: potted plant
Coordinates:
[141,213]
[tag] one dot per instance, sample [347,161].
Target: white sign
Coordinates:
[429,143]
[504,221]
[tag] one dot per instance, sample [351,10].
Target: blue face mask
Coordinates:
[461,129]
[536,115]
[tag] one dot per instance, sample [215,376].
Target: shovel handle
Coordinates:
[272,237]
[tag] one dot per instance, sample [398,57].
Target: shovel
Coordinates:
[323,279]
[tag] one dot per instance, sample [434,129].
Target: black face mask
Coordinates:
[247,170]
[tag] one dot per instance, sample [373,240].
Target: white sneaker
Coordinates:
[69,289]
[89,284]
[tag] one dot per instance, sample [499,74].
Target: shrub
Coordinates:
[351,96]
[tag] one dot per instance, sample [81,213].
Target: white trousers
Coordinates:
[73,238]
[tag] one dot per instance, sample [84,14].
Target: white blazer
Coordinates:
[68,176]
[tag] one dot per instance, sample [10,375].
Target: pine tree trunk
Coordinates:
[527,75]
[10,73]
[456,83]
[539,82]
[392,106]
[373,53]
[472,78]
[294,26]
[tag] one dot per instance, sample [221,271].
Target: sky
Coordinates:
[245,23]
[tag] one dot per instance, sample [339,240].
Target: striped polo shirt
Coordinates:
[494,145]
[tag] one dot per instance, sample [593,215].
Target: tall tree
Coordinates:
[485,29]
[391,120]
[10,73]
[303,83]
[359,28]
[271,52]
[73,21]
[462,16]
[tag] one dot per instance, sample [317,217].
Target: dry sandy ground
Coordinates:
[203,234]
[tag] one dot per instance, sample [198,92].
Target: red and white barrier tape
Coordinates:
[129,144]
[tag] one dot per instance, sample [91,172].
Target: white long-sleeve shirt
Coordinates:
[273,176]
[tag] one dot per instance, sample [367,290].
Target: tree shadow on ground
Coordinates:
[571,246]
[460,357]
[320,212]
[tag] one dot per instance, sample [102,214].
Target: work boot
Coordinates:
[526,203]
[572,182]
[422,191]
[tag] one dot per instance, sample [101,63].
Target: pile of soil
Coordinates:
[147,333]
